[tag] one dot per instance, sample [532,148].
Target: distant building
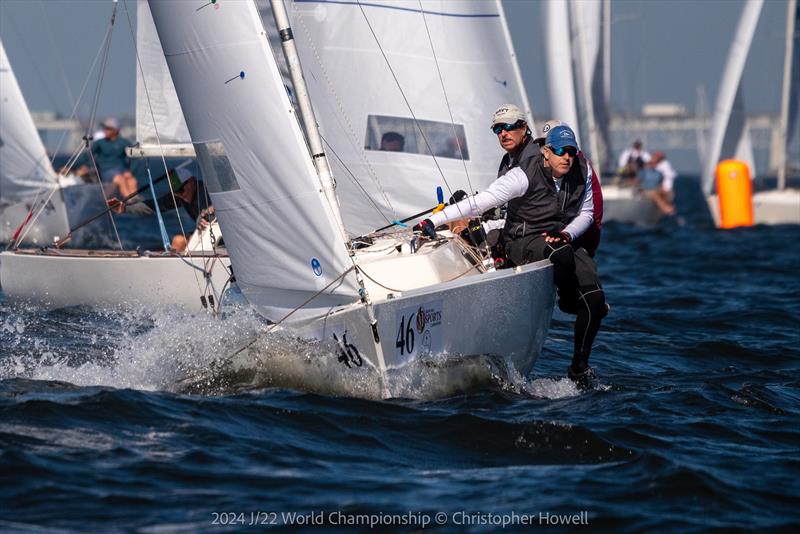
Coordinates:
[664,110]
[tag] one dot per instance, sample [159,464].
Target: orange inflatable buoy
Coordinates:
[735,192]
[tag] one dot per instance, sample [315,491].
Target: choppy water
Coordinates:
[126,421]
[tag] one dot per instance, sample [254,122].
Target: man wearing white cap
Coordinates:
[187,192]
[549,196]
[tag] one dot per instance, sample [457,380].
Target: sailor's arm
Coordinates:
[511,185]
[585,217]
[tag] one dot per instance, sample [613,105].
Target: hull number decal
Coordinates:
[348,353]
[419,330]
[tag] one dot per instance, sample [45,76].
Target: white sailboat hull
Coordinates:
[110,279]
[778,206]
[627,205]
[503,313]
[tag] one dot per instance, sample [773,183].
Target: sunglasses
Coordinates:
[506,127]
[571,150]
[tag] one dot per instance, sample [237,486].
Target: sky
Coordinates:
[662,51]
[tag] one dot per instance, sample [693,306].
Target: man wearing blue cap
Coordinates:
[549,197]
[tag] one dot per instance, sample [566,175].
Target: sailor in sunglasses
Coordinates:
[550,206]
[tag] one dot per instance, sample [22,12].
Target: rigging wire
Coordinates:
[352,135]
[60,63]
[403,94]
[444,92]
[356,181]
[452,120]
[98,89]
[101,53]
[163,158]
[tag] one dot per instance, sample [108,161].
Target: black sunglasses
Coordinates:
[571,150]
[497,128]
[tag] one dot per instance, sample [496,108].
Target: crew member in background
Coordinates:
[189,194]
[112,162]
[549,196]
[631,161]
[668,175]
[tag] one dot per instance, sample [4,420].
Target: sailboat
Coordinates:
[730,136]
[193,280]
[388,299]
[578,75]
[27,178]
[782,204]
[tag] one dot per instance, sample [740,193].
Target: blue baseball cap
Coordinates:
[561,136]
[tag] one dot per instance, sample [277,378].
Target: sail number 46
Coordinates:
[405,335]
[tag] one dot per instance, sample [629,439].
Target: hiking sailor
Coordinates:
[187,192]
[549,196]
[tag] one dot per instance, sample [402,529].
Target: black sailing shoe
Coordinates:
[584,380]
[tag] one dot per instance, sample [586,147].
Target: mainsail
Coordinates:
[373,71]
[279,230]
[24,166]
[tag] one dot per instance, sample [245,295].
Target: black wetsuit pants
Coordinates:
[578,285]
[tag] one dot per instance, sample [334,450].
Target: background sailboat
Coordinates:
[729,134]
[26,176]
[388,305]
[193,280]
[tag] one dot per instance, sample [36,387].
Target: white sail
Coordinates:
[24,166]
[727,126]
[789,151]
[351,54]
[576,72]
[560,75]
[279,231]
[159,118]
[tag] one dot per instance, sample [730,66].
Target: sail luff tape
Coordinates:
[286,35]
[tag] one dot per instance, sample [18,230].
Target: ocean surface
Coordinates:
[117,420]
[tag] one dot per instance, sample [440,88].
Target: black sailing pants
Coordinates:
[579,289]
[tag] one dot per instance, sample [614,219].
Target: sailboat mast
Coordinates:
[791,14]
[307,113]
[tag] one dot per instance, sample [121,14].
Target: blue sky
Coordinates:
[661,52]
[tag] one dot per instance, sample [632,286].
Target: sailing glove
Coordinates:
[426,228]
[561,236]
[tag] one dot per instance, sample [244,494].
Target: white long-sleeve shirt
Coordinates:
[668,173]
[511,185]
[629,153]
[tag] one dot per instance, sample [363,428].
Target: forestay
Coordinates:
[158,113]
[24,166]
[279,231]
[358,102]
